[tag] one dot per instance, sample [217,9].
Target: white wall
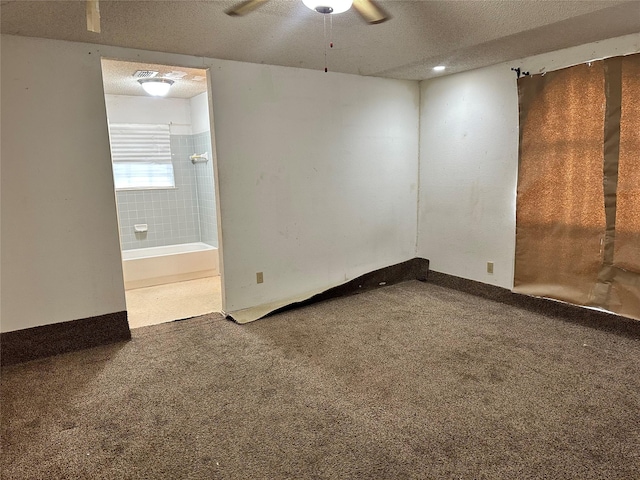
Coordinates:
[317,179]
[317,176]
[469,162]
[468,155]
[200,113]
[133,109]
[60,253]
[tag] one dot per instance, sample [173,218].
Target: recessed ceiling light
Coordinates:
[439,68]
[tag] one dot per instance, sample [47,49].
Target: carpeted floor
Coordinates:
[408,381]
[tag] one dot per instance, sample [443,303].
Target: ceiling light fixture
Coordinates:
[439,68]
[328,6]
[157,87]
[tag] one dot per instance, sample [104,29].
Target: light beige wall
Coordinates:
[469,162]
[200,113]
[60,252]
[317,179]
[175,112]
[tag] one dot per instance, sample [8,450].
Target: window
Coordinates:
[577,222]
[141,155]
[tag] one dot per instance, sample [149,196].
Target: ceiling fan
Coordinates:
[369,10]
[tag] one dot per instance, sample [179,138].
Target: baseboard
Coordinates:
[566,311]
[414,269]
[47,340]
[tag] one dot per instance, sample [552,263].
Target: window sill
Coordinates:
[143,189]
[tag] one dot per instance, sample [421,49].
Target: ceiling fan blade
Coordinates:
[370,11]
[245,7]
[93,16]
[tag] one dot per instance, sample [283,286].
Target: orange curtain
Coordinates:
[578,205]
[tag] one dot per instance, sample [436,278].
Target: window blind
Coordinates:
[141,156]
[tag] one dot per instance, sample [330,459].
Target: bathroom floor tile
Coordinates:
[173,301]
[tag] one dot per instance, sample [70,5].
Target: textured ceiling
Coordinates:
[118,79]
[459,34]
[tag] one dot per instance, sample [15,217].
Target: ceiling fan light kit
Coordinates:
[328,6]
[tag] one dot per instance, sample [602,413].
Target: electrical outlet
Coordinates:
[259,277]
[490,267]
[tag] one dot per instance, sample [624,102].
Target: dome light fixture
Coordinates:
[328,6]
[439,68]
[157,87]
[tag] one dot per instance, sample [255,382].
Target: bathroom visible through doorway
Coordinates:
[162,153]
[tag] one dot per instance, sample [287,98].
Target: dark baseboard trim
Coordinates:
[414,269]
[545,306]
[47,340]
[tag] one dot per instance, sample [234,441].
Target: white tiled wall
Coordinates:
[181,215]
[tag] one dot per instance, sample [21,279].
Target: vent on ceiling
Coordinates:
[145,74]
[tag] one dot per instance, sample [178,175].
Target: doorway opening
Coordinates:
[162,156]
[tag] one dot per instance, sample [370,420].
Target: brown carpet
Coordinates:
[409,381]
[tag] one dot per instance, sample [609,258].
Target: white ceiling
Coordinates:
[461,34]
[118,78]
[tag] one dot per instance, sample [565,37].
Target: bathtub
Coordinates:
[144,267]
